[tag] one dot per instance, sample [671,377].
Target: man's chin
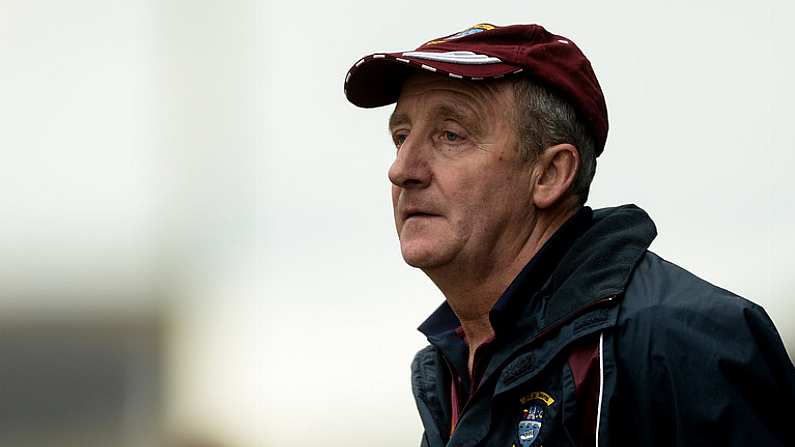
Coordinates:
[422,257]
[419,263]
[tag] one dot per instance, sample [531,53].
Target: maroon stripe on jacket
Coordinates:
[584,364]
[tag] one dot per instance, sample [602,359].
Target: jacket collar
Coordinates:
[600,261]
[597,265]
[592,273]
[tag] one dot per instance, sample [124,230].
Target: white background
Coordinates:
[200,157]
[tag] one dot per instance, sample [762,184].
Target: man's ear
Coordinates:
[556,169]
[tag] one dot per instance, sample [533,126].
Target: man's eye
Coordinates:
[399,139]
[450,137]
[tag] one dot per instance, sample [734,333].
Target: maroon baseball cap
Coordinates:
[484,52]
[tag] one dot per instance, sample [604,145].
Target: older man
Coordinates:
[559,326]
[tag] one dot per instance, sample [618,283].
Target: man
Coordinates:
[559,326]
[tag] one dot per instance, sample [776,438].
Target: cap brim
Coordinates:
[376,80]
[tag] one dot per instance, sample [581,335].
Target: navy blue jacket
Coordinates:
[616,346]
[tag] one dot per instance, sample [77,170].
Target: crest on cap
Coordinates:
[479,28]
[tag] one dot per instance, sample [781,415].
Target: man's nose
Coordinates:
[410,168]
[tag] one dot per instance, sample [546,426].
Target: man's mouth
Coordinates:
[419,214]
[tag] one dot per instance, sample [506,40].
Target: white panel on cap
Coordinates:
[455,57]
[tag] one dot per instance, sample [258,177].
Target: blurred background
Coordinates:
[196,242]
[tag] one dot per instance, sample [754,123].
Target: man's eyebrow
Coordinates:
[396,119]
[469,118]
[445,111]
[440,112]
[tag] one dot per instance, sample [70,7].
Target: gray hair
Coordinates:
[544,120]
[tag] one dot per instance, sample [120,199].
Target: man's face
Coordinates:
[461,194]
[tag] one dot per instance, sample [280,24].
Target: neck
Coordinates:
[472,288]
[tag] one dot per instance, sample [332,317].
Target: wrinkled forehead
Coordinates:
[484,99]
